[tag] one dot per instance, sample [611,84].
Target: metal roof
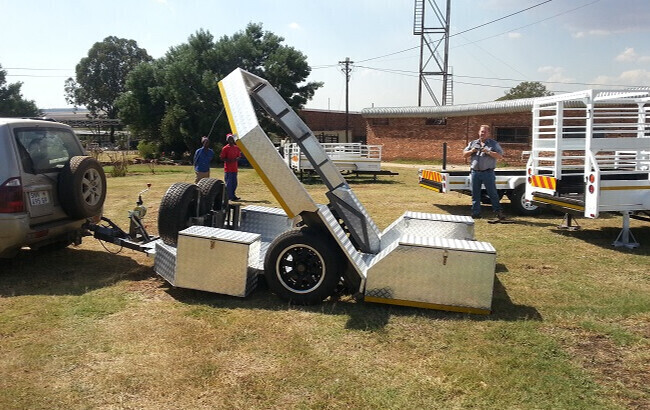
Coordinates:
[492,107]
[576,99]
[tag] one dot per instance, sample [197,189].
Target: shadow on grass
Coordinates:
[544,220]
[66,272]
[604,238]
[361,315]
[352,180]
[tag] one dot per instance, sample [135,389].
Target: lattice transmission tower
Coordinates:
[431,23]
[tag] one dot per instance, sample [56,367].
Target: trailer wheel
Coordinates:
[177,206]
[212,195]
[302,267]
[523,207]
[82,187]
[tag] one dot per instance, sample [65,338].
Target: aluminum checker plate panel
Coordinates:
[165,261]
[266,221]
[434,271]
[279,178]
[358,260]
[428,225]
[217,260]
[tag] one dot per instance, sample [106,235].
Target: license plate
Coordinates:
[39,198]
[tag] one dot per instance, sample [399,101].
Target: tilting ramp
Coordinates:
[237,89]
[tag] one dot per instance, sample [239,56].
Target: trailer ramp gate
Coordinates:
[421,259]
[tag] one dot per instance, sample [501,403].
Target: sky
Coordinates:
[494,45]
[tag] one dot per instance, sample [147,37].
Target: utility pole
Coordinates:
[346,69]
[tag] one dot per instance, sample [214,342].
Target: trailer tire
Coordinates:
[177,206]
[302,266]
[521,206]
[212,195]
[82,187]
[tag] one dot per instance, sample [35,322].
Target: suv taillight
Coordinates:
[11,197]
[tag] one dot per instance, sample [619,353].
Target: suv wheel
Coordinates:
[82,187]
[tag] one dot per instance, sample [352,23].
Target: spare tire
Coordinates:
[177,206]
[82,187]
[212,195]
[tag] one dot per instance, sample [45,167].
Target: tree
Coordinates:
[526,89]
[12,103]
[175,99]
[101,76]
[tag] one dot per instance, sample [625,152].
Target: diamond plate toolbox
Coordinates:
[217,260]
[435,273]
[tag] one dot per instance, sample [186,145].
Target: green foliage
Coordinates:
[101,76]
[175,100]
[526,89]
[148,150]
[12,103]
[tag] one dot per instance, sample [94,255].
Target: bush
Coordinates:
[148,150]
[120,165]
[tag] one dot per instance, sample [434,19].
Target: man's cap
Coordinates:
[204,139]
[229,135]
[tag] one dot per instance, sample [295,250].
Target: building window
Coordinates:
[379,121]
[435,121]
[519,135]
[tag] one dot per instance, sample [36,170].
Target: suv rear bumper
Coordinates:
[15,232]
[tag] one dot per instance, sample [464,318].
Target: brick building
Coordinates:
[418,133]
[326,124]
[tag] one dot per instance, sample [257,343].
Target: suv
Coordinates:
[49,188]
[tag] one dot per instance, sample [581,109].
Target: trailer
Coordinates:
[510,183]
[591,154]
[349,158]
[307,251]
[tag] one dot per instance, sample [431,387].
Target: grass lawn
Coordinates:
[88,327]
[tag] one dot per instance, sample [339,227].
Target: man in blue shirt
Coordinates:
[484,153]
[202,158]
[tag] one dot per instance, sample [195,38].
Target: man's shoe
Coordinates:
[501,216]
[476,216]
[236,199]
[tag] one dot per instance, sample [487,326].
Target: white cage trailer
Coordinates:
[591,154]
[350,158]
[308,252]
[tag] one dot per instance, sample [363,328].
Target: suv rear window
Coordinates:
[45,149]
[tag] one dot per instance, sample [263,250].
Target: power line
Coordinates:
[38,76]
[464,31]
[35,69]
[414,74]
[531,24]
[501,18]
[391,54]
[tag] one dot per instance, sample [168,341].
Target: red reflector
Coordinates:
[591,189]
[11,197]
[592,178]
[530,171]
[40,234]
[530,179]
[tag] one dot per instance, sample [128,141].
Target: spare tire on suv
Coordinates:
[82,187]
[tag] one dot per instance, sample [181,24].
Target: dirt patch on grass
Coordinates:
[621,369]
[154,288]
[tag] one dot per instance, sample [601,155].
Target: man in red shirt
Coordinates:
[230,154]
